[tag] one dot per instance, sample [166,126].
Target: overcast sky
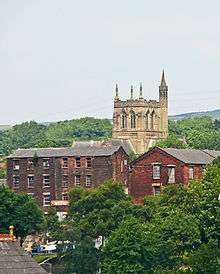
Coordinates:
[60,59]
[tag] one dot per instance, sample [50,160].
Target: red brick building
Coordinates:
[49,173]
[162,166]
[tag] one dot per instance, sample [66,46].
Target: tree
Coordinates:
[21,211]
[125,251]
[81,258]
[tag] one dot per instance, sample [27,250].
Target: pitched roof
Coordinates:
[190,156]
[14,260]
[125,144]
[83,150]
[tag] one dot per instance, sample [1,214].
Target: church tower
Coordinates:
[141,121]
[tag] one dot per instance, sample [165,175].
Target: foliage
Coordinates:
[81,258]
[21,211]
[198,132]
[60,134]
[41,258]
[2,173]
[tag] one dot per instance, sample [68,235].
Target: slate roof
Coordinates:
[14,260]
[125,144]
[83,150]
[192,156]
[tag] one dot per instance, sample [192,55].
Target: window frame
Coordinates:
[15,183]
[33,182]
[46,194]
[44,183]
[77,183]
[88,182]
[156,172]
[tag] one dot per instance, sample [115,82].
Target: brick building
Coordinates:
[162,166]
[49,173]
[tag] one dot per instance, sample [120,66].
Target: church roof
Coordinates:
[14,260]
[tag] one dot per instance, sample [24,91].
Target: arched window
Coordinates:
[147,120]
[133,120]
[124,120]
[152,119]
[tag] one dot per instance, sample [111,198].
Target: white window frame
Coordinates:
[16,166]
[45,182]
[88,159]
[78,161]
[88,182]
[191,172]
[65,163]
[154,189]
[171,177]
[29,176]
[77,183]
[65,183]
[45,204]
[156,171]
[46,162]
[16,184]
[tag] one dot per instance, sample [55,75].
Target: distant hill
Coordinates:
[214,114]
[4,127]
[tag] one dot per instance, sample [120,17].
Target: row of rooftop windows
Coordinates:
[47,183]
[46,163]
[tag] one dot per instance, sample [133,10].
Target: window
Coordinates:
[122,166]
[124,120]
[88,162]
[65,162]
[30,164]
[46,163]
[78,162]
[16,165]
[156,190]
[152,120]
[30,180]
[171,175]
[147,120]
[191,172]
[88,180]
[77,180]
[46,199]
[133,120]
[16,181]
[156,171]
[46,181]
[65,181]
[65,197]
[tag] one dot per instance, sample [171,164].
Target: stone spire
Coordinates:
[116,92]
[141,92]
[163,81]
[132,92]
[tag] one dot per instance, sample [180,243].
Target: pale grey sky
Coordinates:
[60,59]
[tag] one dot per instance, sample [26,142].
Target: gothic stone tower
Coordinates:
[140,121]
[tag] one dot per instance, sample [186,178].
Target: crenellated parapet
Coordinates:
[140,120]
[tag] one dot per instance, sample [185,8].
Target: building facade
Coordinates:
[163,166]
[140,121]
[48,174]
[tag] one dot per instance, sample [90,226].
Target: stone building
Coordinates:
[140,121]
[163,166]
[48,173]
